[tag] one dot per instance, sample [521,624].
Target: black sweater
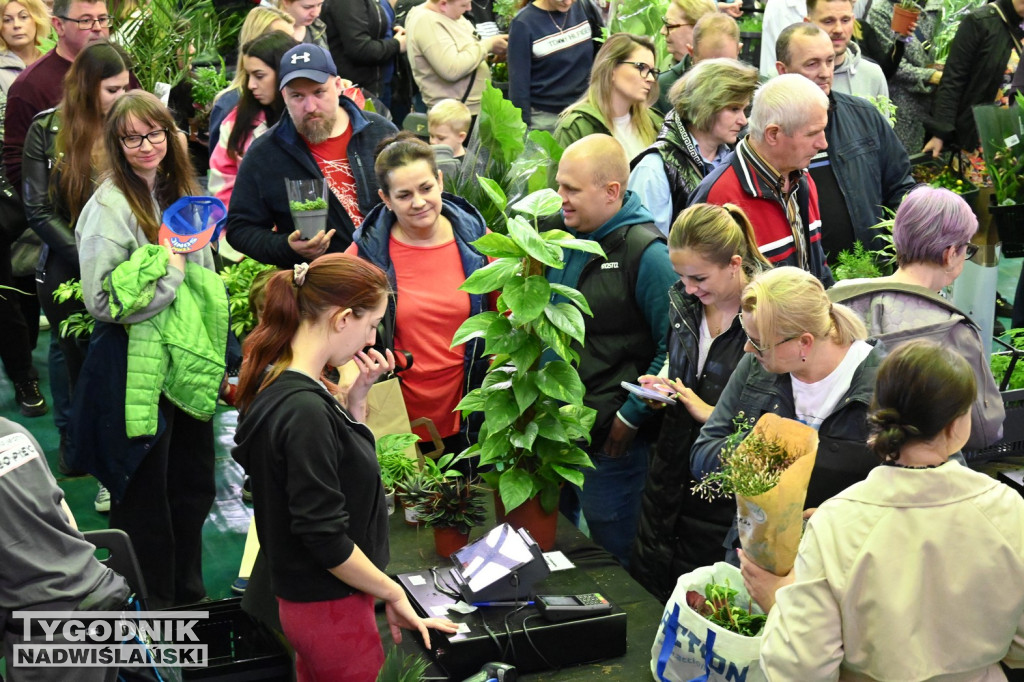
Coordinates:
[316,487]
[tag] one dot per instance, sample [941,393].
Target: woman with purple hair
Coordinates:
[932,235]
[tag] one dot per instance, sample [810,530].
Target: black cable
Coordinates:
[529,639]
[508,631]
[447,592]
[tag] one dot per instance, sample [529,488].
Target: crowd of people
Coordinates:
[720,196]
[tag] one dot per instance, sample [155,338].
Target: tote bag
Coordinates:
[690,648]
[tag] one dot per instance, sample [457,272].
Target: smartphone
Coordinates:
[648,393]
[558,607]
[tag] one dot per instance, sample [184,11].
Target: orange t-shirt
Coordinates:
[430,310]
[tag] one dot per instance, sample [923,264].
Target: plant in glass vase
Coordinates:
[534,416]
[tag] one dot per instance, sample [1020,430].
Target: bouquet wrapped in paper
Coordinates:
[768,471]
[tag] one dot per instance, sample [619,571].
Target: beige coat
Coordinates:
[907,575]
[444,53]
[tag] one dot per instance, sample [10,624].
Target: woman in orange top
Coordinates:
[422,238]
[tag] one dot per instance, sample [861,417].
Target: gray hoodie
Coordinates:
[859,76]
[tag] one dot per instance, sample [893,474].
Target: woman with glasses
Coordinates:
[176,308]
[715,254]
[915,572]
[932,234]
[699,132]
[677,29]
[623,86]
[807,359]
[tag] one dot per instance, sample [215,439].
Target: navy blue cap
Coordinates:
[306,61]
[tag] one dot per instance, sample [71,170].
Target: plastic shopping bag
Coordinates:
[690,648]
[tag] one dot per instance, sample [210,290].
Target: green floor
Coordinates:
[224,533]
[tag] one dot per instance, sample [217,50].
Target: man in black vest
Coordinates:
[626,337]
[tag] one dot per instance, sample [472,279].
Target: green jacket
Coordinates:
[585,119]
[179,351]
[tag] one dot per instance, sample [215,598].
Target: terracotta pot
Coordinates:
[447,541]
[903,19]
[531,516]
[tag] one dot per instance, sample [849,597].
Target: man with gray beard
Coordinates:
[325,135]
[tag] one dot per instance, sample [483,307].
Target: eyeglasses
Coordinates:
[971,250]
[135,141]
[644,69]
[669,27]
[759,349]
[87,24]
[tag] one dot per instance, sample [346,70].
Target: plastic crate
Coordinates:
[239,647]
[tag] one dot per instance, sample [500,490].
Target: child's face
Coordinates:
[443,134]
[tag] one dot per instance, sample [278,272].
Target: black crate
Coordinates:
[239,647]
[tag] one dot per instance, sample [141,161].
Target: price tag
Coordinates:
[1011,141]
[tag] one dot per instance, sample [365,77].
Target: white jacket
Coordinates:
[911,574]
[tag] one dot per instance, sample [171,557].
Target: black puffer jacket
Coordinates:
[678,531]
[359,41]
[973,73]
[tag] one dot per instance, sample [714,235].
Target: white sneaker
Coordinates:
[102,502]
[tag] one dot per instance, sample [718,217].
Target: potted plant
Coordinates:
[904,14]
[999,128]
[238,279]
[207,81]
[451,505]
[519,160]
[534,416]
[395,464]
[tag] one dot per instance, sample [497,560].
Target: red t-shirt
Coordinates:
[430,310]
[332,157]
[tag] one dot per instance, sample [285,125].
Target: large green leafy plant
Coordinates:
[534,416]
[520,161]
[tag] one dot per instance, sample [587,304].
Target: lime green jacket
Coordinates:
[178,352]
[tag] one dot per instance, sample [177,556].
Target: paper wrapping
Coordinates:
[770,524]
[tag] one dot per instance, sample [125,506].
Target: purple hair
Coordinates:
[928,222]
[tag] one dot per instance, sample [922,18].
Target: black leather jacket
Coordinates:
[973,73]
[47,214]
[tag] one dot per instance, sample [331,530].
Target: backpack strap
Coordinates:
[841,294]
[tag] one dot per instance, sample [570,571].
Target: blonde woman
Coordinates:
[623,86]
[25,24]
[807,359]
[714,252]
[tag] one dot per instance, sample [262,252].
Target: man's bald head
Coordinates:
[592,178]
[604,155]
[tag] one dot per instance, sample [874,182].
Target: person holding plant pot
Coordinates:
[320,511]
[807,359]
[986,43]
[915,572]
[422,237]
[715,254]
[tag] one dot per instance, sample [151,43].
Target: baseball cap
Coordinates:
[190,223]
[306,61]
